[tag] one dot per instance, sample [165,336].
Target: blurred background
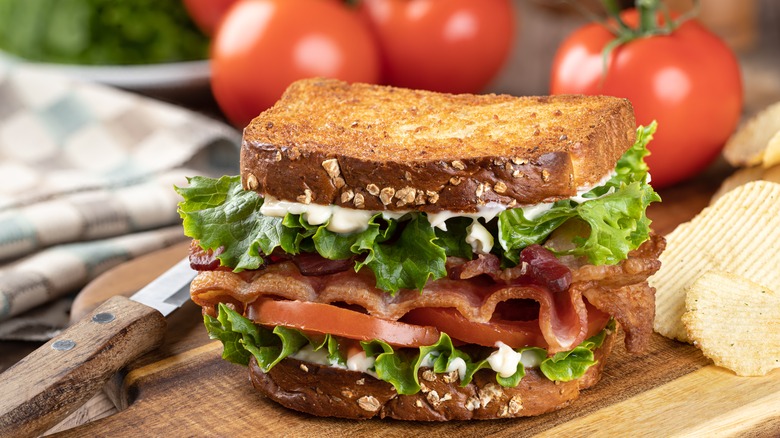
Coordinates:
[232,59]
[161,32]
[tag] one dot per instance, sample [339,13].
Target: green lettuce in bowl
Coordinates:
[100,32]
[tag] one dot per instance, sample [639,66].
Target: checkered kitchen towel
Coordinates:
[86,180]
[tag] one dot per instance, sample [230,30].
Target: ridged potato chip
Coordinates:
[745,175]
[748,146]
[738,178]
[739,234]
[735,322]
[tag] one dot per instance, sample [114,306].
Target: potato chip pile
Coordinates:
[720,277]
[755,149]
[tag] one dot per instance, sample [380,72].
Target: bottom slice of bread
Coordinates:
[333,392]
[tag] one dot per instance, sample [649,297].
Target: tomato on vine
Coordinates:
[673,70]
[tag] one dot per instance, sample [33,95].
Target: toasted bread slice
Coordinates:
[383,148]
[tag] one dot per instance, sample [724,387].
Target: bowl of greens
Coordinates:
[134,44]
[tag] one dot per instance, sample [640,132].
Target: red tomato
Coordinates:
[516,334]
[689,81]
[326,319]
[207,13]
[420,327]
[453,46]
[262,46]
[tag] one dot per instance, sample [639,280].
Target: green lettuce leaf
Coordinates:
[615,213]
[233,330]
[268,356]
[568,365]
[298,235]
[631,166]
[394,367]
[453,241]
[337,246]
[445,353]
[408,262]
[242,339]
[571,365]
[334,354]
[515,232]
[220,214]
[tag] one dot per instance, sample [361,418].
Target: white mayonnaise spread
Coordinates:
[532,212]
[356,362]
[479,238]
[342,220]
[503,361]
[308,354]
[456,364]
[429,359]
[360,362]
[350,220]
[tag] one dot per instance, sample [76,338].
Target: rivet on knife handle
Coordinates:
[54,380]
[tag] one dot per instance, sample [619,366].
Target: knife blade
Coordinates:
[53,381]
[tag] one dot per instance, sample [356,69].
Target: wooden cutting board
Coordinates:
[185,389]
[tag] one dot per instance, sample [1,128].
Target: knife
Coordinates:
[50,383]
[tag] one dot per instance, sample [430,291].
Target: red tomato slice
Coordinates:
[325,318]
[516,334]
[513,333]
[421,326]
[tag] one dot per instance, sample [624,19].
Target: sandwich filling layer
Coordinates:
[397,366]
[399,289]
[408,252]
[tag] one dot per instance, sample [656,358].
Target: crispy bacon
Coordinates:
[619,290]
[545,269]
[202,260]
[622,291]
[313,264]
[484,264]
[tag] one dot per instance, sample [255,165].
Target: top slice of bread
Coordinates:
[383,148]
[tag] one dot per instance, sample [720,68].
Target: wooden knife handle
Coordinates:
[46,386]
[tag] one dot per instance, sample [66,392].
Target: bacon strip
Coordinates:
[562,317]
[622,291]
[619,290]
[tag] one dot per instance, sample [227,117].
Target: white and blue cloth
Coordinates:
[86,181]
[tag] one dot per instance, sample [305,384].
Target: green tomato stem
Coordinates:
[648,24]
[648,10]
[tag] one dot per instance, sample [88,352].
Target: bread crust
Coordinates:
[331,392]
[383,148]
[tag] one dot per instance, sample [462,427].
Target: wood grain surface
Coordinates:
[185,389]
